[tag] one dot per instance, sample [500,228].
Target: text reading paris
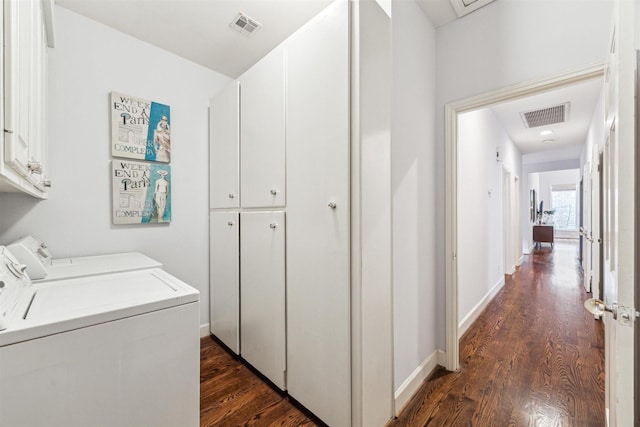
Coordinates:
[134,111]
[133,176]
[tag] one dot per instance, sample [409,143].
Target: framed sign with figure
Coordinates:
[140,129]
[141,192]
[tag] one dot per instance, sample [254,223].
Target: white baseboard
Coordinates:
[475,312]
[413,383]
[520,260]
[205,330]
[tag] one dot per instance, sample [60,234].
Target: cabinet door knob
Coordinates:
[230,223]
[273,225]
[332,205]
[274,191]
[232,196]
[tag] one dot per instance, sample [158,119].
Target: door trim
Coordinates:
[452,110]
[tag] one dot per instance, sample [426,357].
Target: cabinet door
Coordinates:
[224,146]
[318,274]
[262,133]
[224,289]
[25,87]
[262,293]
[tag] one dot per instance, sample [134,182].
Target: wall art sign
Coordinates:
[141,192]
[140,129]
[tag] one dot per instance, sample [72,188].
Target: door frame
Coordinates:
[452,110]
[508,260]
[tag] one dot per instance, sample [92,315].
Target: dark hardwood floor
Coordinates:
[533,358]
[232,395]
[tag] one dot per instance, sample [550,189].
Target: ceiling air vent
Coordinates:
[245,25]
[463,7]
[546,116]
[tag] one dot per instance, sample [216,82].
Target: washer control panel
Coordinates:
[34,254]
[14,283]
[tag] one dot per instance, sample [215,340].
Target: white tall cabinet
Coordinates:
[318,217]
[247,234]
[304,147]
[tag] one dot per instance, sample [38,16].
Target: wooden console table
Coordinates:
[542,234]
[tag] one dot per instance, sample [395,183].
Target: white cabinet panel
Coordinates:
[318,274]
[224,282]
[262,133]
[224,139]
[262,290]
[23,165]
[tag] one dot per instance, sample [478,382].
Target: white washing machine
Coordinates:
[118,349]
[42,267]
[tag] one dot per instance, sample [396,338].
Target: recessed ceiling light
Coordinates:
[546,132]
[548,141]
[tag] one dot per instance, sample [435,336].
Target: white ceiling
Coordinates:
[439,12]
[199,30]
[582,97]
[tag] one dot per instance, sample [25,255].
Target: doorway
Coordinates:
[452,112]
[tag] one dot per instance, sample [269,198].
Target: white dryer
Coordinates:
[42,267]
[118,349]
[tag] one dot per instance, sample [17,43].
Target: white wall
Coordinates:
[480,206]
[413,177]
[89,61]
[596,134]
[502,44]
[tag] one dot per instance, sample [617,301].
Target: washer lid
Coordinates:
[56,307]
[81,298]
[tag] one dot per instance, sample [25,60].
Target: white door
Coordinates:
[515,222]
[507,230]
[587,227]
[262,293]
[596,243]
[224,287]
[262,135]
[318,215]
[620,225]
[224,148]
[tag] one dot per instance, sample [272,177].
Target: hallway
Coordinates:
[533,358]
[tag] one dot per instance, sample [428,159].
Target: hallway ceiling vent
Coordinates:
[245,25]
[546,116]
[463,7]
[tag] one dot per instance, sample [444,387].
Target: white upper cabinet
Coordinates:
[27,34]
[262,134]
[224,148]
